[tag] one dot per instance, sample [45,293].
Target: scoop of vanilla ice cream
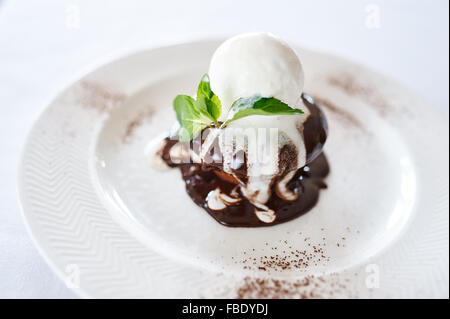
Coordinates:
[259,63]
[256,63]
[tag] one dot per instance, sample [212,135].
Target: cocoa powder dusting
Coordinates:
[135,123]
[349,84]
[97,97]
[309,287]
[287,257]
[345,116]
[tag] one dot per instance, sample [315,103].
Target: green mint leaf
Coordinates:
[190,119]
[207,102]
[258,105]
[201,105]
[204,88]
[215,107]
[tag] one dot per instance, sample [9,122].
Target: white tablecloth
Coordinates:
[43,43]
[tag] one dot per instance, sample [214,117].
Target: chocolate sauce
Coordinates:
[315,129]
[307,183]
[201,178]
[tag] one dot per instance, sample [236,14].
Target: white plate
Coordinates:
[112,227]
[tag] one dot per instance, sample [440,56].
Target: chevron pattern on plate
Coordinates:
[64,212]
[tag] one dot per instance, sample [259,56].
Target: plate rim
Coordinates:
[122,55]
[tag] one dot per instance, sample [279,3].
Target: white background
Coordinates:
[44,43]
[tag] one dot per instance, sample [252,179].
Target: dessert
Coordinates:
[249,144]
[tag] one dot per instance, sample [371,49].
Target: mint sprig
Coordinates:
[189,117]
[208,103]
[258,105]
[196,114]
